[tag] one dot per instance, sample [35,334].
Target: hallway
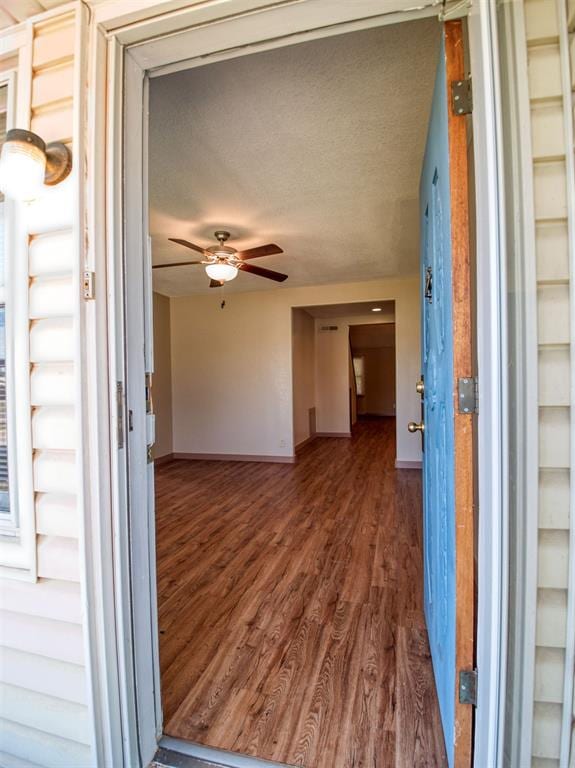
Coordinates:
[290,606]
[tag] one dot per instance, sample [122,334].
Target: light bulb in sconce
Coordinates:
[27,164]
[221,271]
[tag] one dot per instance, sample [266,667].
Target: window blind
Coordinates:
[4,495]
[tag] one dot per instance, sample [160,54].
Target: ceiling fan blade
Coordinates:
[262,250]
[187,244]
[216,283]
[175,264]
[270,274]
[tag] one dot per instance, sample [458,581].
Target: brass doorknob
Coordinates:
[413,427]
[420,387]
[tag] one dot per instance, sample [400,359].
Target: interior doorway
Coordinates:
[372,350]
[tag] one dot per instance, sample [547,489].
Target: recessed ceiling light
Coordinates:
[376,309]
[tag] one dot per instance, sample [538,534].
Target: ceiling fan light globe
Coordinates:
[222,272]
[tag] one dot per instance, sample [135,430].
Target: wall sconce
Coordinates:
[27,163]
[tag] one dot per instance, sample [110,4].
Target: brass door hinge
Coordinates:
[88,285]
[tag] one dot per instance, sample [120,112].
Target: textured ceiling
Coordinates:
[316,147]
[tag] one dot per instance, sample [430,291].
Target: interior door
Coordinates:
[447,428]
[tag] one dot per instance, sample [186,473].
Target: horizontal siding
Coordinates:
[549,154]
[11,761]
[53,84]
[55,472]
[58,558]
[53,42]
[52,341]
[554,384]
[46,749]
[44,717]
[52,254]
[40,674]
[54,427]
[49,599]
[51,297]
[57,515]
[67,720]
[44,637]
[52,384]
[547,730]
[551,251]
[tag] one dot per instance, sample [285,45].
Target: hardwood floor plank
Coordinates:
[290,607]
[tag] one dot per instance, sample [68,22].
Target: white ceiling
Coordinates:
[316,147]
[14,11]
[354,309]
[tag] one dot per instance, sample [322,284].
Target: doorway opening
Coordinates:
[290,565]
[372,349]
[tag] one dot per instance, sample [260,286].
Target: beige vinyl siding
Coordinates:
[550,183]
[44,714]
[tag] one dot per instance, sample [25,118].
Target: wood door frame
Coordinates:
[126,46]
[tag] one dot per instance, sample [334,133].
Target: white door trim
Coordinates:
[123,53]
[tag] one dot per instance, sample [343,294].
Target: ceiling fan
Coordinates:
[222,262]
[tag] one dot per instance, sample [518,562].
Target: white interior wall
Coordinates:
[303,364]
[333,372]
[162,381]
[232,369]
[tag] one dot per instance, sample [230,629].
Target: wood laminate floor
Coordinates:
[291,609]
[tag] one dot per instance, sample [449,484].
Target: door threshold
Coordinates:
[177,753]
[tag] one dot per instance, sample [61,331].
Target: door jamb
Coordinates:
[110,54]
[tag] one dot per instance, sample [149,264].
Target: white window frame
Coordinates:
[18,529]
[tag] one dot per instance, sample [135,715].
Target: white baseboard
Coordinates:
[303,443]
[233,457]
[401,464]
[163,459]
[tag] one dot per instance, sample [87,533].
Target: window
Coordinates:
[5,512]
[17,519]
[358,370]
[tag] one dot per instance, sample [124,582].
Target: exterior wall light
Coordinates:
[27,163]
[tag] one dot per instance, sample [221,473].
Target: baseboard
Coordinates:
[400,464]
[305,442]
[163,459]
[233,457]
[333,434]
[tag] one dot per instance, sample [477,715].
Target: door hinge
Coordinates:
[462,97]
[120,414]
[468,686]
[150,418]
[88,287]
[467,395]
[148,390]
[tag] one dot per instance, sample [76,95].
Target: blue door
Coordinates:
[446,357]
